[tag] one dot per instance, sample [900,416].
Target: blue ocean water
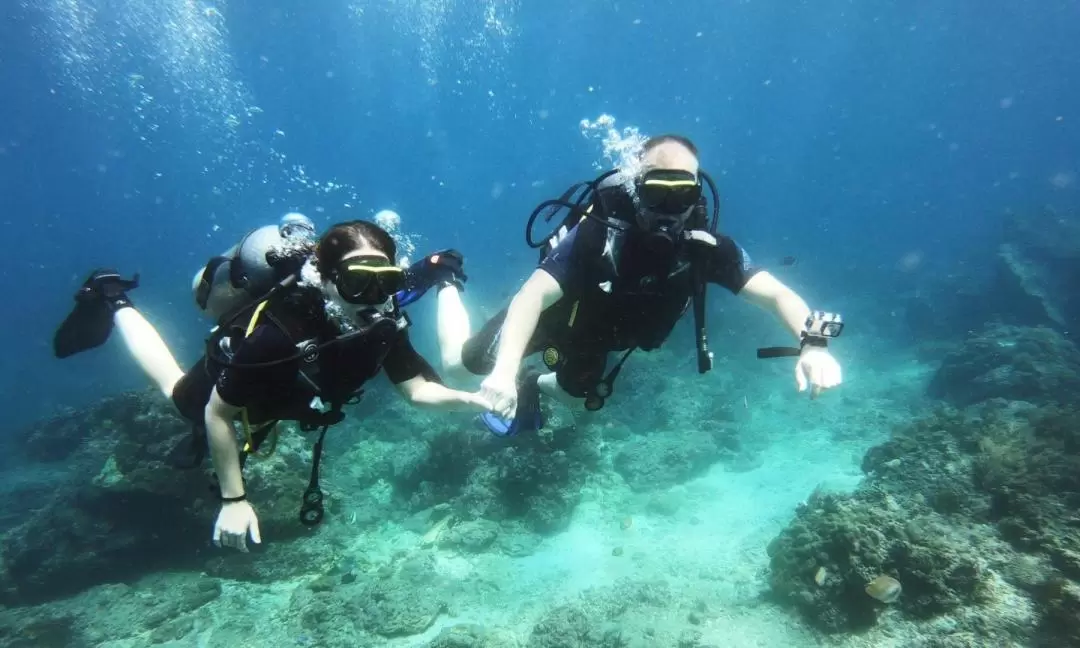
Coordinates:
[881,144]
[150,136]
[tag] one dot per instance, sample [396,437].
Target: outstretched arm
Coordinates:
[769,293]
[421,392]
[816,368]
[539,293]
[414,379]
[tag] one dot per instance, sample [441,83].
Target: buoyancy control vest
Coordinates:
[643,305]
[332,368]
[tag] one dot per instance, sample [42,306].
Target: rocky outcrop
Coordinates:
[123,508]
[971,511]
[1038,272]
[1029,277]
[1037,365]
[534,479]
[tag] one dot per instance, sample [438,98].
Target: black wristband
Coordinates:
[814,341]
[238,498]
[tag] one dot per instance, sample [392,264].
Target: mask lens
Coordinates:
[368,280]
[669,192]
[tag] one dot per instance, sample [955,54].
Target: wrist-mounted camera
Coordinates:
[819,328]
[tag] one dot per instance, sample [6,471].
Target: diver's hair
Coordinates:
[343,238]
[653,142]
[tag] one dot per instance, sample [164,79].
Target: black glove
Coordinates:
[443,268]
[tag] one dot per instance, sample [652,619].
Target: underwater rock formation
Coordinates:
[79,622]
[532,478]
[471,635]
[114,507]
[358,608]
[624,614]
[122,508]
[659,461]
[837,545]
[1038,277]
[968,509]
[1031,278]
[1037,365]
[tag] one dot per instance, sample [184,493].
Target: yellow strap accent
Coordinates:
[672,183]
[254,318]
[573,313]
[245,423]
[587,212]
[249,443]
[366,268]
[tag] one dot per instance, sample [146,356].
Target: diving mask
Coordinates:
[668,191]
[665,200]
[368,280]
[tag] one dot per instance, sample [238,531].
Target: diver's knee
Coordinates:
[474,357]
[552,386]
[456,373]
[451,361]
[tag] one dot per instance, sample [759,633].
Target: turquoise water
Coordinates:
[916,161]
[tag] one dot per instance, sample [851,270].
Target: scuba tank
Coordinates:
[251,268]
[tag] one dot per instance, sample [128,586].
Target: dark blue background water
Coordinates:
[851,135]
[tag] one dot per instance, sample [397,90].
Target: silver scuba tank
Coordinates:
[249,269]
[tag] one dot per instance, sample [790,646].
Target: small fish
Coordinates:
[789,261]
[884,588]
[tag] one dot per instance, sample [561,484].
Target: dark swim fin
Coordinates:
[527,417]
[86,327]
[91,321]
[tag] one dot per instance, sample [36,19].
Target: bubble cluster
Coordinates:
[621,148]
[488,27]
[119,55]
[164,69]
[406,243]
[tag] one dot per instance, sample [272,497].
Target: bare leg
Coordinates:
[148,349]
[454,330]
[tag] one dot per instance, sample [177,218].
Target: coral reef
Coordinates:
[356,607]
[535,479]
[131,613]
[415,502]
[123,509]
[612,617]
[658,461]
[1038,365]
[970,510]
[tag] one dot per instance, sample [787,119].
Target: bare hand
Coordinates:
[235,521]
[501,393]
[818,370]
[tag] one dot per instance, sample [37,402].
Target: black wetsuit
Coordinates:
[285,390]
[616,295]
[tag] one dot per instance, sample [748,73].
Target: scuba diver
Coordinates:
[635,252]
[304,324]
